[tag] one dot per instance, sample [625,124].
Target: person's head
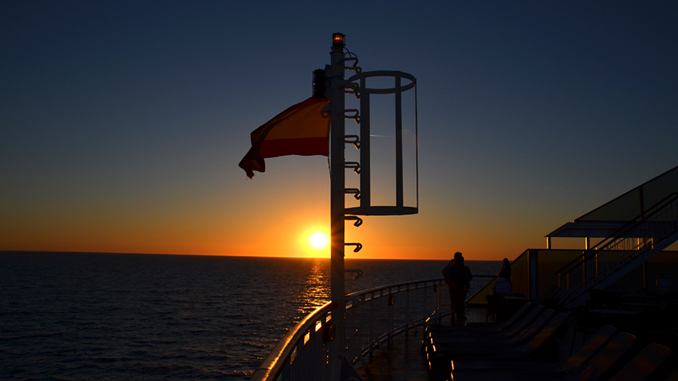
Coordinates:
[458,259]
[458,255]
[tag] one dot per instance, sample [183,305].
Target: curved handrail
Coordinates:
[379,288]
[274,363]
[280,356]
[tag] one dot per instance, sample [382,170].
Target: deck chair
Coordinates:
[599,367]
[482,328]
[504,333]
[606,360]
[439,356]
[441,345]
[529,319]
[515,317]
[521,362]
[512,337]
[645,364]
[534,343]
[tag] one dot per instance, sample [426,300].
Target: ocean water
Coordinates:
[80,316]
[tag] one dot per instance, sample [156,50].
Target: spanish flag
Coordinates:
[299,130]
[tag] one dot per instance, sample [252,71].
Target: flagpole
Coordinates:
[337,203]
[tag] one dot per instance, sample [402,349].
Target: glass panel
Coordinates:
[382,141]
[549,262]
[659,188]
[409,147]
[623,208]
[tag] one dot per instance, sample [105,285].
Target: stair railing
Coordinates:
[639,236]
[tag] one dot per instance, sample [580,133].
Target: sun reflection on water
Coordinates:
[316,289]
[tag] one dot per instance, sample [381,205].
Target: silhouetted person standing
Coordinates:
[503,285]
[458,278]
[506,269]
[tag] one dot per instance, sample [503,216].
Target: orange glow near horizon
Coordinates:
[278,226]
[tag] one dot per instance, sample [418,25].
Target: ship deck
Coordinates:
[402,359]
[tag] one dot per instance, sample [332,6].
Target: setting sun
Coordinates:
[318,240]
[315,242]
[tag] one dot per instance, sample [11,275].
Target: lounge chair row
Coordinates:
[529,345]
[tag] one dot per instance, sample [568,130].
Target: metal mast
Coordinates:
[337,202]
[339,87]
[335,354]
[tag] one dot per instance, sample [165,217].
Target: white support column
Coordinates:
[337,205]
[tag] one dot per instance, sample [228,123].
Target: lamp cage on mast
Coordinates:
[331,81]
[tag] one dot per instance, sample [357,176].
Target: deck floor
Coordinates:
[403,359]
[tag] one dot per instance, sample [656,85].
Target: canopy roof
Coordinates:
[609,217]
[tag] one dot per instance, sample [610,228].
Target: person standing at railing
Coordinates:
[458,278]
[506,269]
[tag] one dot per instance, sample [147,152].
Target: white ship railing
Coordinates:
[372,318]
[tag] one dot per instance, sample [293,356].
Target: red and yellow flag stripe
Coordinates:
[299,130]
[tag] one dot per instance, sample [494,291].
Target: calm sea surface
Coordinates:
[79,316]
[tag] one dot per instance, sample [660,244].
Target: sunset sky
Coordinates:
[122,122]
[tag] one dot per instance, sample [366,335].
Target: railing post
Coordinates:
[426,311]
[391,313]
[373,336]
[408,317]
[438,301]
[567,281]
[443,291]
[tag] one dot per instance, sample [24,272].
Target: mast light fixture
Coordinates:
[338,41]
